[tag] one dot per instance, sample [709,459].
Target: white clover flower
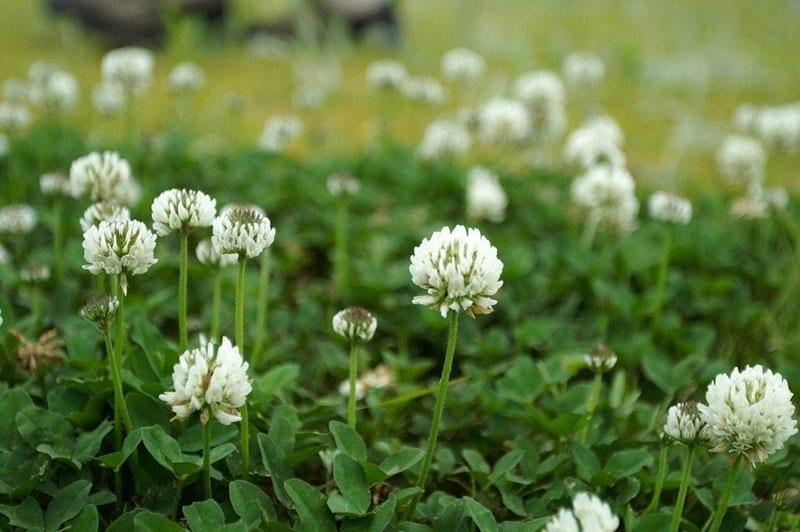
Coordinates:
[741,159]
[35,273]
[206,254]
[186,77]
[131,67]
[209,380]
[563,521]
[776,197]
[104,211]
[745,118]
[101,176]
[462,65]
[502,120]
[101,310]
[543,94]
[485,197]
[779,127]
[343,184]
[108,98]
[593,514]
[444,138]
[684,423]
[244,232]
[596,142]
[378,378]
[55,184]
[601,359]
[178,211]
[15,90]
[14,115]
[749,413]
[355,323]
[386,74]
[459,270]
[585,70]
[115,247]
[58,91]
[361,389]
[423,89]
[607,194]
[668,207]
[309,97]
[279,132]
[17,218]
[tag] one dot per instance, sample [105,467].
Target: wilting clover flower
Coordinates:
[607,195]
[355,323]
[279,132]
[589,514]
[502,120]
[57,91]
[386,74]
[749,413]
[35,273]
[543,93]
[423,89]
[485,197]
[186,77]
[459,271]
[131,67]
[462,65]
[177,211]
[741,159]
[684,423]
[209,380]
[101,176]
[103,211]
[17,218]
[600,359]
[55,184]
[598,141]
[669,207]
[14,115]
[444,138]
[32,354]
[207,255]
[100,310]
[585,70]
[343,184]
[115,247]
[243,232]
[108,98]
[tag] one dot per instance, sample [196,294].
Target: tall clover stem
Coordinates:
[216,305]
[719,513]
[661,474]
[590,230]
[441,395]
[340,251]
[591,404]
[112,371]
[245,428]
[119,340]
[661,280]
[686,477]
[261,308]
[207,458]
[183,285]
[351,397]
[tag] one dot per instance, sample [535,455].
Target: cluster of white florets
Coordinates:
[444,138]
[181,210]
[462,65]
[543,94]
[598,141]
[279,132]
[588,514]
[387,74]
[114,247]
[355,323]
[503,120]
[243,232]
[486,198]
[607,195]
[669,207]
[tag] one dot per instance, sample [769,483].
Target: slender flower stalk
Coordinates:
[686,477]
[58,238]
[245,428]
[358,325]
[207,458]
[600,360]
[183,286]
[351,396]
[661,474]
[727,492]
[119,343]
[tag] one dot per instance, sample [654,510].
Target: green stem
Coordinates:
[590,230]
[245,441]
[661,281]
[661,473]
[216,305]
[351,397]
[773,520]
[36,302]
[441,395]
[112,373]
[686,477]
[245,428]
[719,513]
[261,308]
[591,404]
[58,238]
[183,284]
[340,252]
[119,340]
[207,458]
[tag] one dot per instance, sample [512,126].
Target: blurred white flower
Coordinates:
[749,413]
[741,159]
[378,378]
[745,117]
[104,211]
[343,184]
[387,74]
[101,176]
[14,115]
[56,91]
[132,67]
[607,194]
[459,271]
[108,98]
[462,65]
[684,423]
[779,127]
[243,232]
[355,323]
[177,211]
[35,273]
[17,218]
[15,91]
[114,247]
[596,142]
[279,132]
[423,89]
[668,207]
[601,359]
[55,184]
[361,389]
[485,197]
[584,70]
[776,197]
[39,71]
[309,97]
[543,94]
[593,515]
[563,521]
[502,120]
[206,254]
[444,138]
[186,77]
[209,380]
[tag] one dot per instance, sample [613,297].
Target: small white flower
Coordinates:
[749,413]
[423,89]
[210,380]
[596,142]
[186,77]
[57,91]
[462,65]
[749,207]
[444,138]
[502,120]
[14,115]
[668,207]
[35,273]
[115,247]
[132,67]
[607,194]
[108,98]
[361,389]
[177,211]
[343,184]
[459,271]
[244,232]
[741,159]
[206,254]
[593,515]
[17,218]
[684,423]
[55,184]
[279,132]
[543,94]
[386,74]
[485,197]
[563,521]
[779,127]
[745,117]
[355,323]
[585,70]
[601,359]
[101,176]
[380,377]
[104,211]
[776,197]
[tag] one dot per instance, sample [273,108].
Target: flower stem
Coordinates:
[119,396]
[661,281]
[719,513]
[591,404]
[686,477]
[245,428]
[590,230]
[183,285]
[351,397]
[340,252]
[441,395]
[112,371]
[261,308]
[216,305]
[661,473]
[207,458]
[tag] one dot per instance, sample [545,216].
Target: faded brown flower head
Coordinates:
[33,354]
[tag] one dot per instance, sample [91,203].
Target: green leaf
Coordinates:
[283,426]
[26,515]
[275,464]
[506,463]
[86,521]
[310,506]
[115,460]
[148,337]
[165,449]
[476,462]
[89,443]
[352,482]
[401,461]
[268,385]
[626,463]
[251,503]
[481,515]
[45,431]
[204,516]
[348,441]
[654,523]
[586,463]
[11,402]
[66,504]
[523,381]
[383,515]
[147,521]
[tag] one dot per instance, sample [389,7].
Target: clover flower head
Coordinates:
[211,380]
[186,77]
[741,159]
[101,176]
[243,232]
[600,359]
[588,514]
[423,89]
[459,271]
[749,413]
[543,94]
[14,115]
[355,323]
[380,377]
[749,207]
[57,91]
[386,74]
[15,90]
[444,138]
[279,132]
[779,127]
[584,69]
[206,254]
[103,211]
[17,218]
[598,141]
[55,184]
[35,273]
[121,246]
[669,207]
[131,67]
[179,210]
[343,184]
[607,194]
[485,197]
[503,120]
[108,98]
[684,423]
[462,65]
[361,389]
[563,521]
[100,310]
